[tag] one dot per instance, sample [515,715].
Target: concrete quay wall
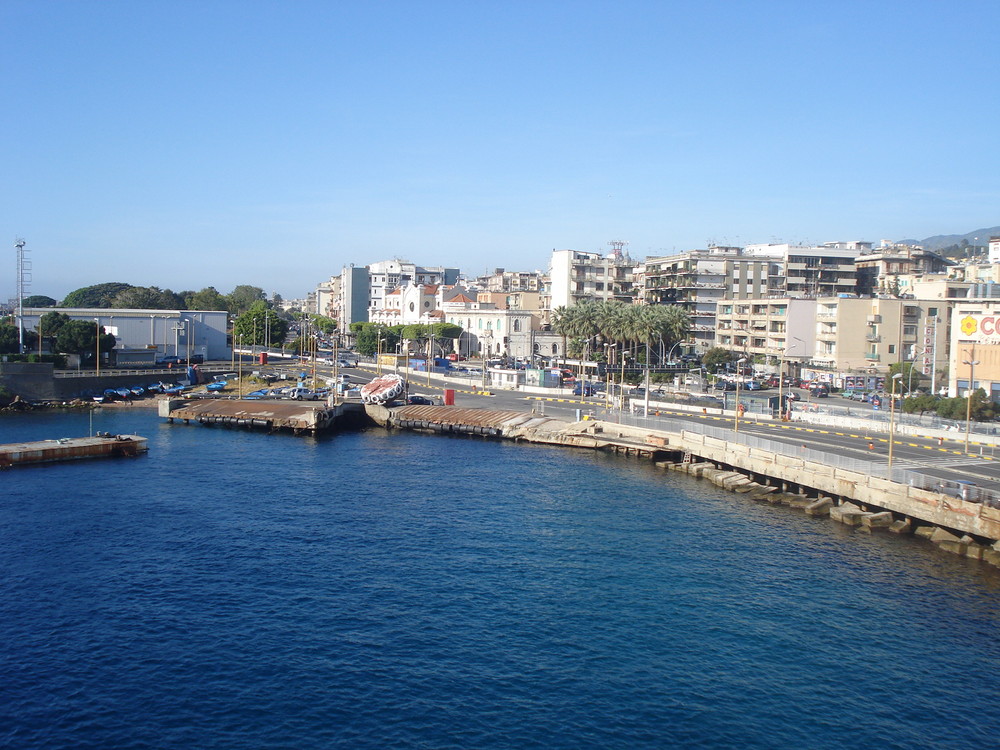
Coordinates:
[974,519]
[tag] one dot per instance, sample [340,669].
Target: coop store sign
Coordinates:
[983,329]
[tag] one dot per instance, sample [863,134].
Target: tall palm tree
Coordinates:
[562,323]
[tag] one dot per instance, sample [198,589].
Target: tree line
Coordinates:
[119,295]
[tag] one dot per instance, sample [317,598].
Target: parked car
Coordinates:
[819,391]
[419,401]
[583,389]
[171,360]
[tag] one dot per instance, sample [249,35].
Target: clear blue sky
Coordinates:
[186,144]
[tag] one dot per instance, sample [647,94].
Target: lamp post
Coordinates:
[892,414]
[971,362]
[97,363]
[739,379]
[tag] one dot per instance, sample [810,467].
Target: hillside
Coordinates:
[979,237]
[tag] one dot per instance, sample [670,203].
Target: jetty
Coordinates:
[71,449]
[269,415]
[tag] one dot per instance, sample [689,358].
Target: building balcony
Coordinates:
[873,338]
[872,356]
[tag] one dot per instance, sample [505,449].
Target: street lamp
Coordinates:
[488,338]
[781,378]
[971,362]
[892,414]
[98,362]
[739,379]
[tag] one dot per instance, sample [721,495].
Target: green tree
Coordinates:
[49,326]
[39,300]
[80,337]
[242,297]
[98,295]
[259,325]
[208,298]
[716,358]
[323,323]
[147,298]
[921,404]
[370,334]
[9,339]
[911,376]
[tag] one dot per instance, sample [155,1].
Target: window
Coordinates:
[892,348]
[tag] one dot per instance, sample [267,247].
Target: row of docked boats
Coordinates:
[291,392]
[136,391]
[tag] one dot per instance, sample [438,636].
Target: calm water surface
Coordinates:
[375,590]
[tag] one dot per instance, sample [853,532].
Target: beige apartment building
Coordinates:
[768,329]
[840,340]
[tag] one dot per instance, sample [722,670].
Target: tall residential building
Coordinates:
[825,270]
[772,329]
[698,280]
[501,281]
[576,276]
[879,271]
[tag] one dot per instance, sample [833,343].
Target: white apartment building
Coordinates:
[576,276]
[825,270]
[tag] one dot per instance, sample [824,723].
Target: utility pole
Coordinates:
[23,279]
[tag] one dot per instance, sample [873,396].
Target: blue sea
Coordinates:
[390,590]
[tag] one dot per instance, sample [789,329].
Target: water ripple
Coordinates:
[386,590]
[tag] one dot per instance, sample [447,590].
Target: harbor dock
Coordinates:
[71,449]
[297,416]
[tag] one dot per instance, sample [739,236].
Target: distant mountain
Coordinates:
[980,237]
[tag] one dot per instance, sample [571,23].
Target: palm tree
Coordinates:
[562,323]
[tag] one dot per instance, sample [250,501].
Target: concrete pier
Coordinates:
[71,449]
[297,416]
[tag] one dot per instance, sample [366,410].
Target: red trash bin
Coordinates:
[449,396]
[263,358]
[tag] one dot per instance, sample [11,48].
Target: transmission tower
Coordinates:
[616,248]
[23,281]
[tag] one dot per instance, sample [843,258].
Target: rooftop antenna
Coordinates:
[23,280]
[616,248]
